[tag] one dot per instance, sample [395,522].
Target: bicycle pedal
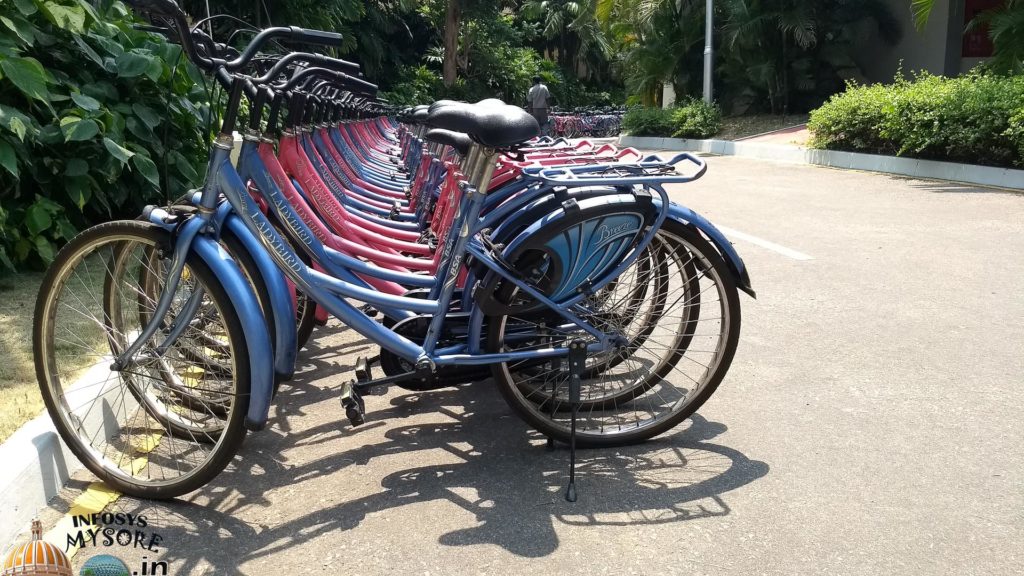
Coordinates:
[363,373]
[355,408]
[368,310]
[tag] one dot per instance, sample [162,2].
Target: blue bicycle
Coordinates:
[605,313]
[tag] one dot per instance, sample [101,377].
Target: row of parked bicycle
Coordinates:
[589,123]
[604,312]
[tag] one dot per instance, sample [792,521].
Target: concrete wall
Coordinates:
[935,49]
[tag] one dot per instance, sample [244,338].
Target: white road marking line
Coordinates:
[787,252]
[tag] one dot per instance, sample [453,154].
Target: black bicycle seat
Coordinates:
[457,140]
[419,114]
[491,102]
[441,103]
[492,126]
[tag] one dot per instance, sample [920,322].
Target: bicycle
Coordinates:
[534,304]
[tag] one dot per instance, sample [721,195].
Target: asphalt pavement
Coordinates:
[870,423]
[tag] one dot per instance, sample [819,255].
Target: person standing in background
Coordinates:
[537,100]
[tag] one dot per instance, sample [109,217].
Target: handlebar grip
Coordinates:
[333,63]
[315,36]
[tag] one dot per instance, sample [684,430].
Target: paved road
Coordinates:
[870,423]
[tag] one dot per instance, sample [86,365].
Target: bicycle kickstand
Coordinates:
[577,362]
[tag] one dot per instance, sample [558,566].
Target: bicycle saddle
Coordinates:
[459,141]
[491,102]
[419,114]
[442,103]
[492,126]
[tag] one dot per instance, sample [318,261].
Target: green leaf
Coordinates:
[26,7]
[22,28]
[66,228]
[28,75]
[146,114]
[21,249]
[71,18]
[77,129]
[8,158]
[117,151]
[5,260]
[48,204]
[921,9]
[109,46]
[45,248]
[184,167]
[50,135]
[87,7]
[140,130]
[155,70]
[86,102]
[78,189]
[130,64]
[15,121]
[147,169]
[37,218]
[76,167]
[87,50]
[101,90]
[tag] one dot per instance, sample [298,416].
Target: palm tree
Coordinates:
[570,29]
[653,39]
[922,10]
[1005,28]
[790,54]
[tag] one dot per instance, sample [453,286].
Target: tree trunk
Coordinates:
[449,69]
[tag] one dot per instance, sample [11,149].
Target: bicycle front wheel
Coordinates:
[164,424]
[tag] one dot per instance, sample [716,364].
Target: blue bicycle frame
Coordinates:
[330,290]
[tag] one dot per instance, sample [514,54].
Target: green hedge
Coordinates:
[976,118]
[690,119]
[85,103]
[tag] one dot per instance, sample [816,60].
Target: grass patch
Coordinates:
[743,126]
[19,394]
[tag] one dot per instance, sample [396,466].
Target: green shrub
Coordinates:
[974,118]
[417,85]
[691,119]
[1016,131]
[696,119]
[85,101]
[648,122]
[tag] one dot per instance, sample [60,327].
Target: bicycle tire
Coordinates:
[555,424]
[149,450]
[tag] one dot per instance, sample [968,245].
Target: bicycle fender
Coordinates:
[688,217]
[285,338]
[250,315]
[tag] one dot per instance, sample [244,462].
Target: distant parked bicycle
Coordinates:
[599,123]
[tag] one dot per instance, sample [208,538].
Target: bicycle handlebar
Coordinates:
[340,78]
[169,9]
[317,60]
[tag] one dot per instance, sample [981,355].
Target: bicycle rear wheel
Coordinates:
[165,424]
[689,339]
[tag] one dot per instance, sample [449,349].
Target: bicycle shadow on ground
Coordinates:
[505,476]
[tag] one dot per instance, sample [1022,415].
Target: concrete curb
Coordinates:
[912,167]
[36,465]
